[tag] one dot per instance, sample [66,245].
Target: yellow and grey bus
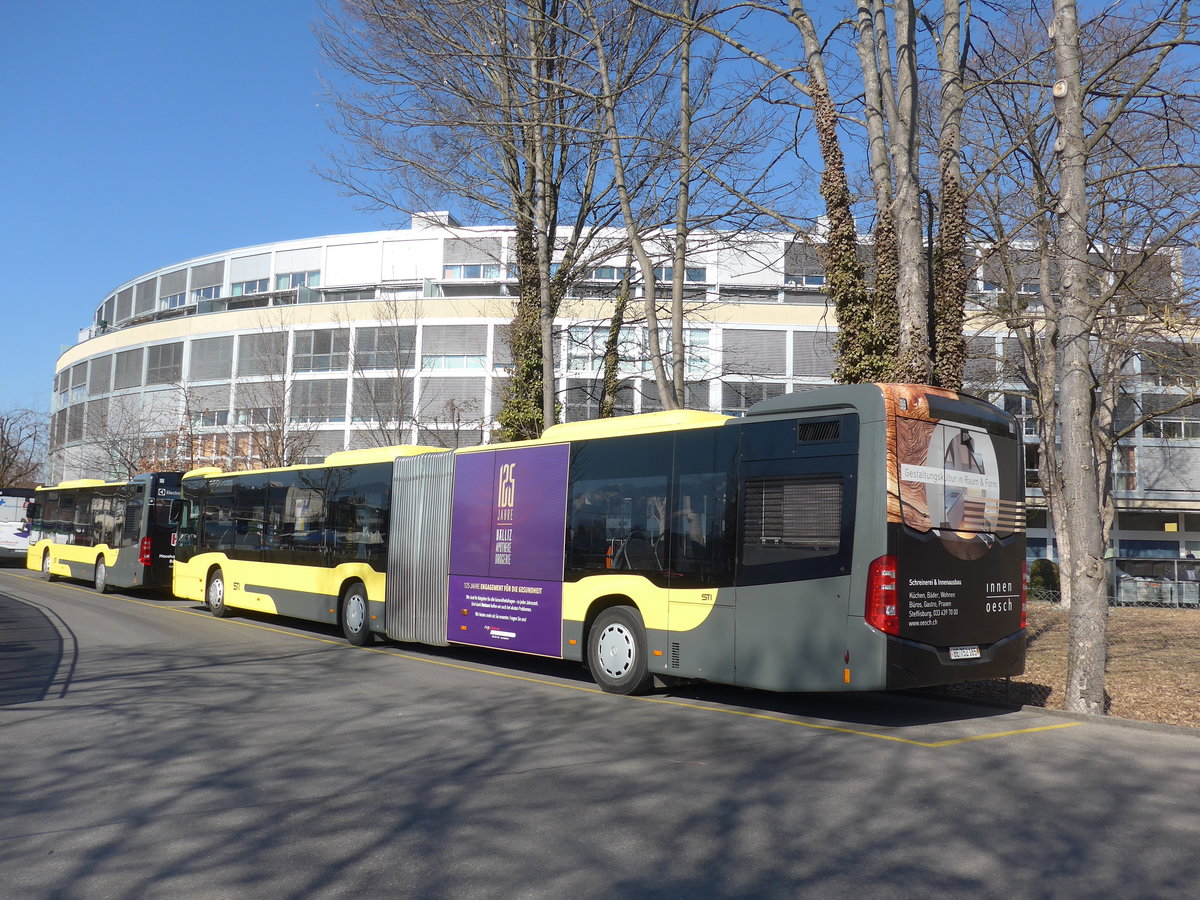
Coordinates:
[857,537]
[113,534]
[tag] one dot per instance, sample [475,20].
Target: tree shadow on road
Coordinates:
[37,652]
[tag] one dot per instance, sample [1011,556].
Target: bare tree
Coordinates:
[382,392]
[22,447]
[140,433]
[270,428]
[500,120]
[1089,198]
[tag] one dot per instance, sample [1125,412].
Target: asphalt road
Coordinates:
[149,750]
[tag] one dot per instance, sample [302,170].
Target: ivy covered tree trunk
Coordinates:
[521,416]
[885,309]
[612,357]
[949,268]
[864,351]
[862,355]
[950,285]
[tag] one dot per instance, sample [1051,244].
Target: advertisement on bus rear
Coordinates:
[506,549]
[961,550]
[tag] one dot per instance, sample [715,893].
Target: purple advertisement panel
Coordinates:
[510,614]
[506,549]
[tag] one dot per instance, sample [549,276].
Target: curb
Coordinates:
[1114,721]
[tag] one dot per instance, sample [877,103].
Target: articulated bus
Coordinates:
[14,523]
[850,538]
[113,534]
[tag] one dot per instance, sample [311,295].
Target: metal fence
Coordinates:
[1167,583]
[1141,581]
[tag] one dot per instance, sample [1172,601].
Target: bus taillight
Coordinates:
[882,612]
[144,551]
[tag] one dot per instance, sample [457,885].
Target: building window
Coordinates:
[384,347]
[318,401]
[128,372]
[211,417]
[257,286]
[696,360]
[1172,429]
[206,293]
[737,397]
[257,415]
[322,350]
[585,348]
[480,270]
[349,296]
[1022,406]
[164,363]
[667,273]
[175,300]
[1125,469]
[430,361]
[288,280]
[611,273]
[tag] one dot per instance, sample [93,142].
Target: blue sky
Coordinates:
[140,134]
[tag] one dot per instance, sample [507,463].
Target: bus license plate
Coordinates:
[964,653]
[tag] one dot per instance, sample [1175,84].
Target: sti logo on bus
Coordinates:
[506,494]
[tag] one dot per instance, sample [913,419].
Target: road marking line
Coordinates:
[682,704]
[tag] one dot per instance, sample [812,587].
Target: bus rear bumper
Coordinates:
[913,665]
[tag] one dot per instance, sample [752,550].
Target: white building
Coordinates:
[325,328]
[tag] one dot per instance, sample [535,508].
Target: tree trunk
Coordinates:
[950,271]
[522,416]
[678,350]
[612,348]
[861,355]
[912,294]
[1085,567]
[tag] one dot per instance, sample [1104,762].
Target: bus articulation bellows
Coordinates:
[849,538]
[113,534]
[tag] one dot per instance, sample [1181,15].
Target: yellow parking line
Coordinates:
[682,704]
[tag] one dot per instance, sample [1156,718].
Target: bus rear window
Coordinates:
[951,478]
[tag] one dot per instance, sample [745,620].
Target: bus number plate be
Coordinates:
[964,653]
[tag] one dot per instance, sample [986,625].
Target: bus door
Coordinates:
[698,547]
[798,489]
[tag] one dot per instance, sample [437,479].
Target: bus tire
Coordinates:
[46,567]
[214,595]
[100,577]
[617,655]
[356,624]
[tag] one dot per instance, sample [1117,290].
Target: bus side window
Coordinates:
[617,505]
[702,521]
[132,513]
[699,532]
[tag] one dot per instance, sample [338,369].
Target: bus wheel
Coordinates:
[214,597]
[617,652]
[100,578]
[46,567]
[355,624]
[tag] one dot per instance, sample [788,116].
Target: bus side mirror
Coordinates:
[33,511]
[178,513]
